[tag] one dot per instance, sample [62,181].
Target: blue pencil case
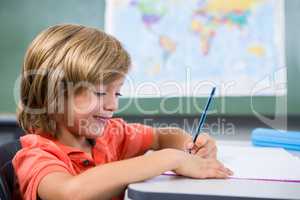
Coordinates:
[264,137]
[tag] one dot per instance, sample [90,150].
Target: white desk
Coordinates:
[181,188]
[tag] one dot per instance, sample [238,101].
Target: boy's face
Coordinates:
[88,111]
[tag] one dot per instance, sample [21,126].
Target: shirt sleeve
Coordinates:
[133,139]
[31,165]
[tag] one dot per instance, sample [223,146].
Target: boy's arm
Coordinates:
[109,180]
[170,137]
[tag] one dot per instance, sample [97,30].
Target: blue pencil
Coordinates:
[203,115]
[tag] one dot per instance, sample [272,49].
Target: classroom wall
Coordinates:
[292,26]
[22,20]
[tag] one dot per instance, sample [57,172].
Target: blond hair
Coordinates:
[65,54]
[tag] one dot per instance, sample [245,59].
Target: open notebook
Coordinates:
[259,163]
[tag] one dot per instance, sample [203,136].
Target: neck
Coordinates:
[69,139]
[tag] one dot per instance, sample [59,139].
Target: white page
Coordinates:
[249,162]
[260,163]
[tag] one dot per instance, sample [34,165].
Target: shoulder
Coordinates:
[33,141]
[38,157]
[38,147]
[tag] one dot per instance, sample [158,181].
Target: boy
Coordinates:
[74,149]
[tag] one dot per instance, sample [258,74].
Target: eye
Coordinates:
[118,94]
[100,93]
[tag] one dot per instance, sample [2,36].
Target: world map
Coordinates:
[184,47]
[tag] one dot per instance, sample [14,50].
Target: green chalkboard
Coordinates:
[292,35]
[22,20]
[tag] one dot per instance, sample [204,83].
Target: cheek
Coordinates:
[85,107]
[75,117]
[79,117]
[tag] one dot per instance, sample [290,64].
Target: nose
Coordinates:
[111,103]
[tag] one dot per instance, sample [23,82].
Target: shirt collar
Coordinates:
[67,149]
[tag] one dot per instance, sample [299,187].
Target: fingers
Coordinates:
[214,173]
[210,151]
[221,168]
[198,167]
[189,146]
[202,140]
[218,174]
[222,174]
[205,147]
[217,170]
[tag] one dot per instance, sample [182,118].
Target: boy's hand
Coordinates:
[197,167]
[205,146]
